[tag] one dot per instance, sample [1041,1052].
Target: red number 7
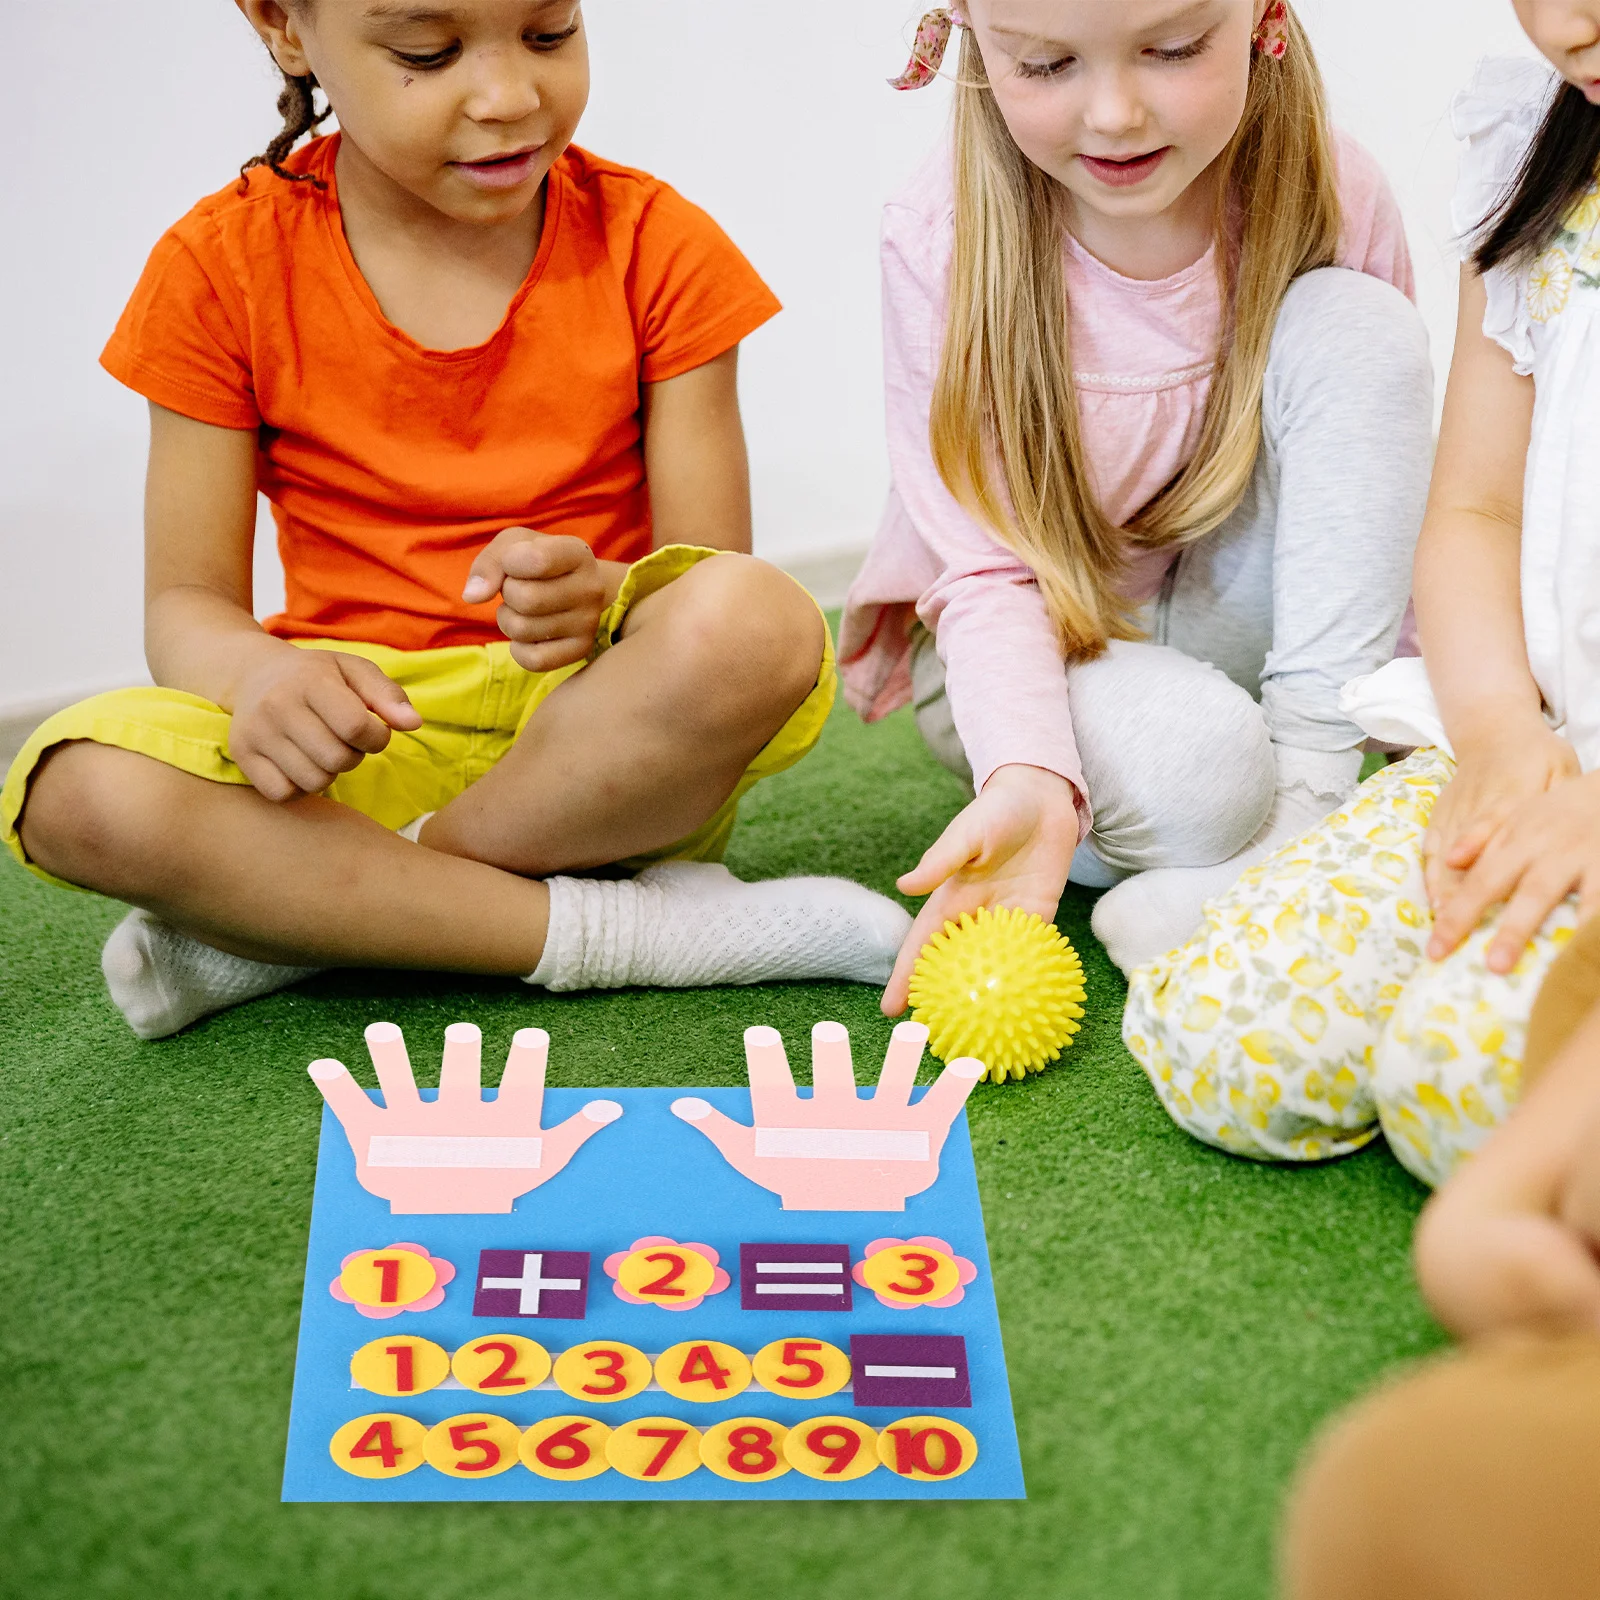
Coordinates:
[673,1436]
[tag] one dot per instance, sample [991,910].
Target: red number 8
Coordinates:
[751,1444]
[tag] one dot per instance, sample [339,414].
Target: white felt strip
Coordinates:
[842,1144]
[909,1372]
[405,1150]
[830,1268]
[799,1288]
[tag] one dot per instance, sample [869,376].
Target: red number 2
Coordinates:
[663,1284]
[501,1377]
[922,1272]
[673,1437]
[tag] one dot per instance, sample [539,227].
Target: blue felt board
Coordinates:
[648,1173]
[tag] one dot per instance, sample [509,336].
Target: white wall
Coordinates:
[781,126]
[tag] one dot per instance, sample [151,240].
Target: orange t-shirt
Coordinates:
[390,465]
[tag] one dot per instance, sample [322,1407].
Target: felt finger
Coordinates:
[379,692]
[346,1098]
[461,1074]
[736,1142]
[938,1108]
[387,1047]
[833,1077]
[522,1082]
[900,1064]
[563,1140]
[772,1096]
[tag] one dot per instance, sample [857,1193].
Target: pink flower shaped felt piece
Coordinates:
[666,1273]
[443,1273]
[913,1272]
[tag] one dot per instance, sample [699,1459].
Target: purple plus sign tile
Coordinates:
[794,1277]
[909,1370]
[532,1283]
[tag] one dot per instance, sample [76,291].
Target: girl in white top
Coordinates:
[1380,971]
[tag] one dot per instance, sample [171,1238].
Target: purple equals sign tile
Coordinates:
[794,1277]
[909,1370]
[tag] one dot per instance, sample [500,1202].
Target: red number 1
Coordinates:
[389,1280]
[405,1371]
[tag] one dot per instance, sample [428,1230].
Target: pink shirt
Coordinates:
[1144,353]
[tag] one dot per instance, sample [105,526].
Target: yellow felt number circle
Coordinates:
[703,1370]
[666,1275]
[654,1449]
[382,1445]
[505,1363]
[745,1449]
[387,1277]
[834,1449]
[911,1274]
[400,1364]
[566,1448]
[803,1369]
[475,1445]
[928,1449]
[603,1370]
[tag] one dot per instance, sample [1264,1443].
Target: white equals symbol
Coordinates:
[829,1269]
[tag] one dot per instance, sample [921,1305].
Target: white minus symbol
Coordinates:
[909,1372]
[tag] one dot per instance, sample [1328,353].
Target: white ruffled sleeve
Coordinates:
[1498,117]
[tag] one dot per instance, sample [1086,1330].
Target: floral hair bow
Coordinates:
[927,53]
[1272,37]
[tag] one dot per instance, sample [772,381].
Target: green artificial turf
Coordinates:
[1176,1322]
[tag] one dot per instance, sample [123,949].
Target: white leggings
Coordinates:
[1260,624]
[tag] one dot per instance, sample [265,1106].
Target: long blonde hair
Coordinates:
[1005,399]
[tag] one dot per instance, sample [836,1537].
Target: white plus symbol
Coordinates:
[532,1285]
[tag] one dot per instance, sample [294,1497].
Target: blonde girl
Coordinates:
[1380,971]
[1159,413]
[487,381]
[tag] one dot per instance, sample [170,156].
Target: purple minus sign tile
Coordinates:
[916,1371]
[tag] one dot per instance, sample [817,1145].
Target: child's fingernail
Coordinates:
[478,590]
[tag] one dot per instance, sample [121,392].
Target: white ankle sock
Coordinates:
[1156,911]
[687,924]
[162,980]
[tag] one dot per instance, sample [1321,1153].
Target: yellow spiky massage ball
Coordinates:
[1001,985]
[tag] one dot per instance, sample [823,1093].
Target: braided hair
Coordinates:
[297,107]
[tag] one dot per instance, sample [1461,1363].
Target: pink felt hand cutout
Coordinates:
[459,1154]
[835,1151]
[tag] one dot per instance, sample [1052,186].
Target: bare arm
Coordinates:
[1468,579]
[694,455]
[299,717]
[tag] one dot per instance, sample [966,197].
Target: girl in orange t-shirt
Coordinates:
[487,383]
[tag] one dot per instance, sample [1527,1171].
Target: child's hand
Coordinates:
[301,717]
[552,593]
[1013,846]
[1489,787]
[1547,850]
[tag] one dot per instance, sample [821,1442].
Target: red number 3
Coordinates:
[922,1268]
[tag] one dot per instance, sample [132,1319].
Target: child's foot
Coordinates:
[1148,915]
[162,980]
[685,924]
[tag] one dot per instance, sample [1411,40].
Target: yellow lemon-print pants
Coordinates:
[1303,1016]
[474,701]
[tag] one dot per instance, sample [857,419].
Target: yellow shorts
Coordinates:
[474,701]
